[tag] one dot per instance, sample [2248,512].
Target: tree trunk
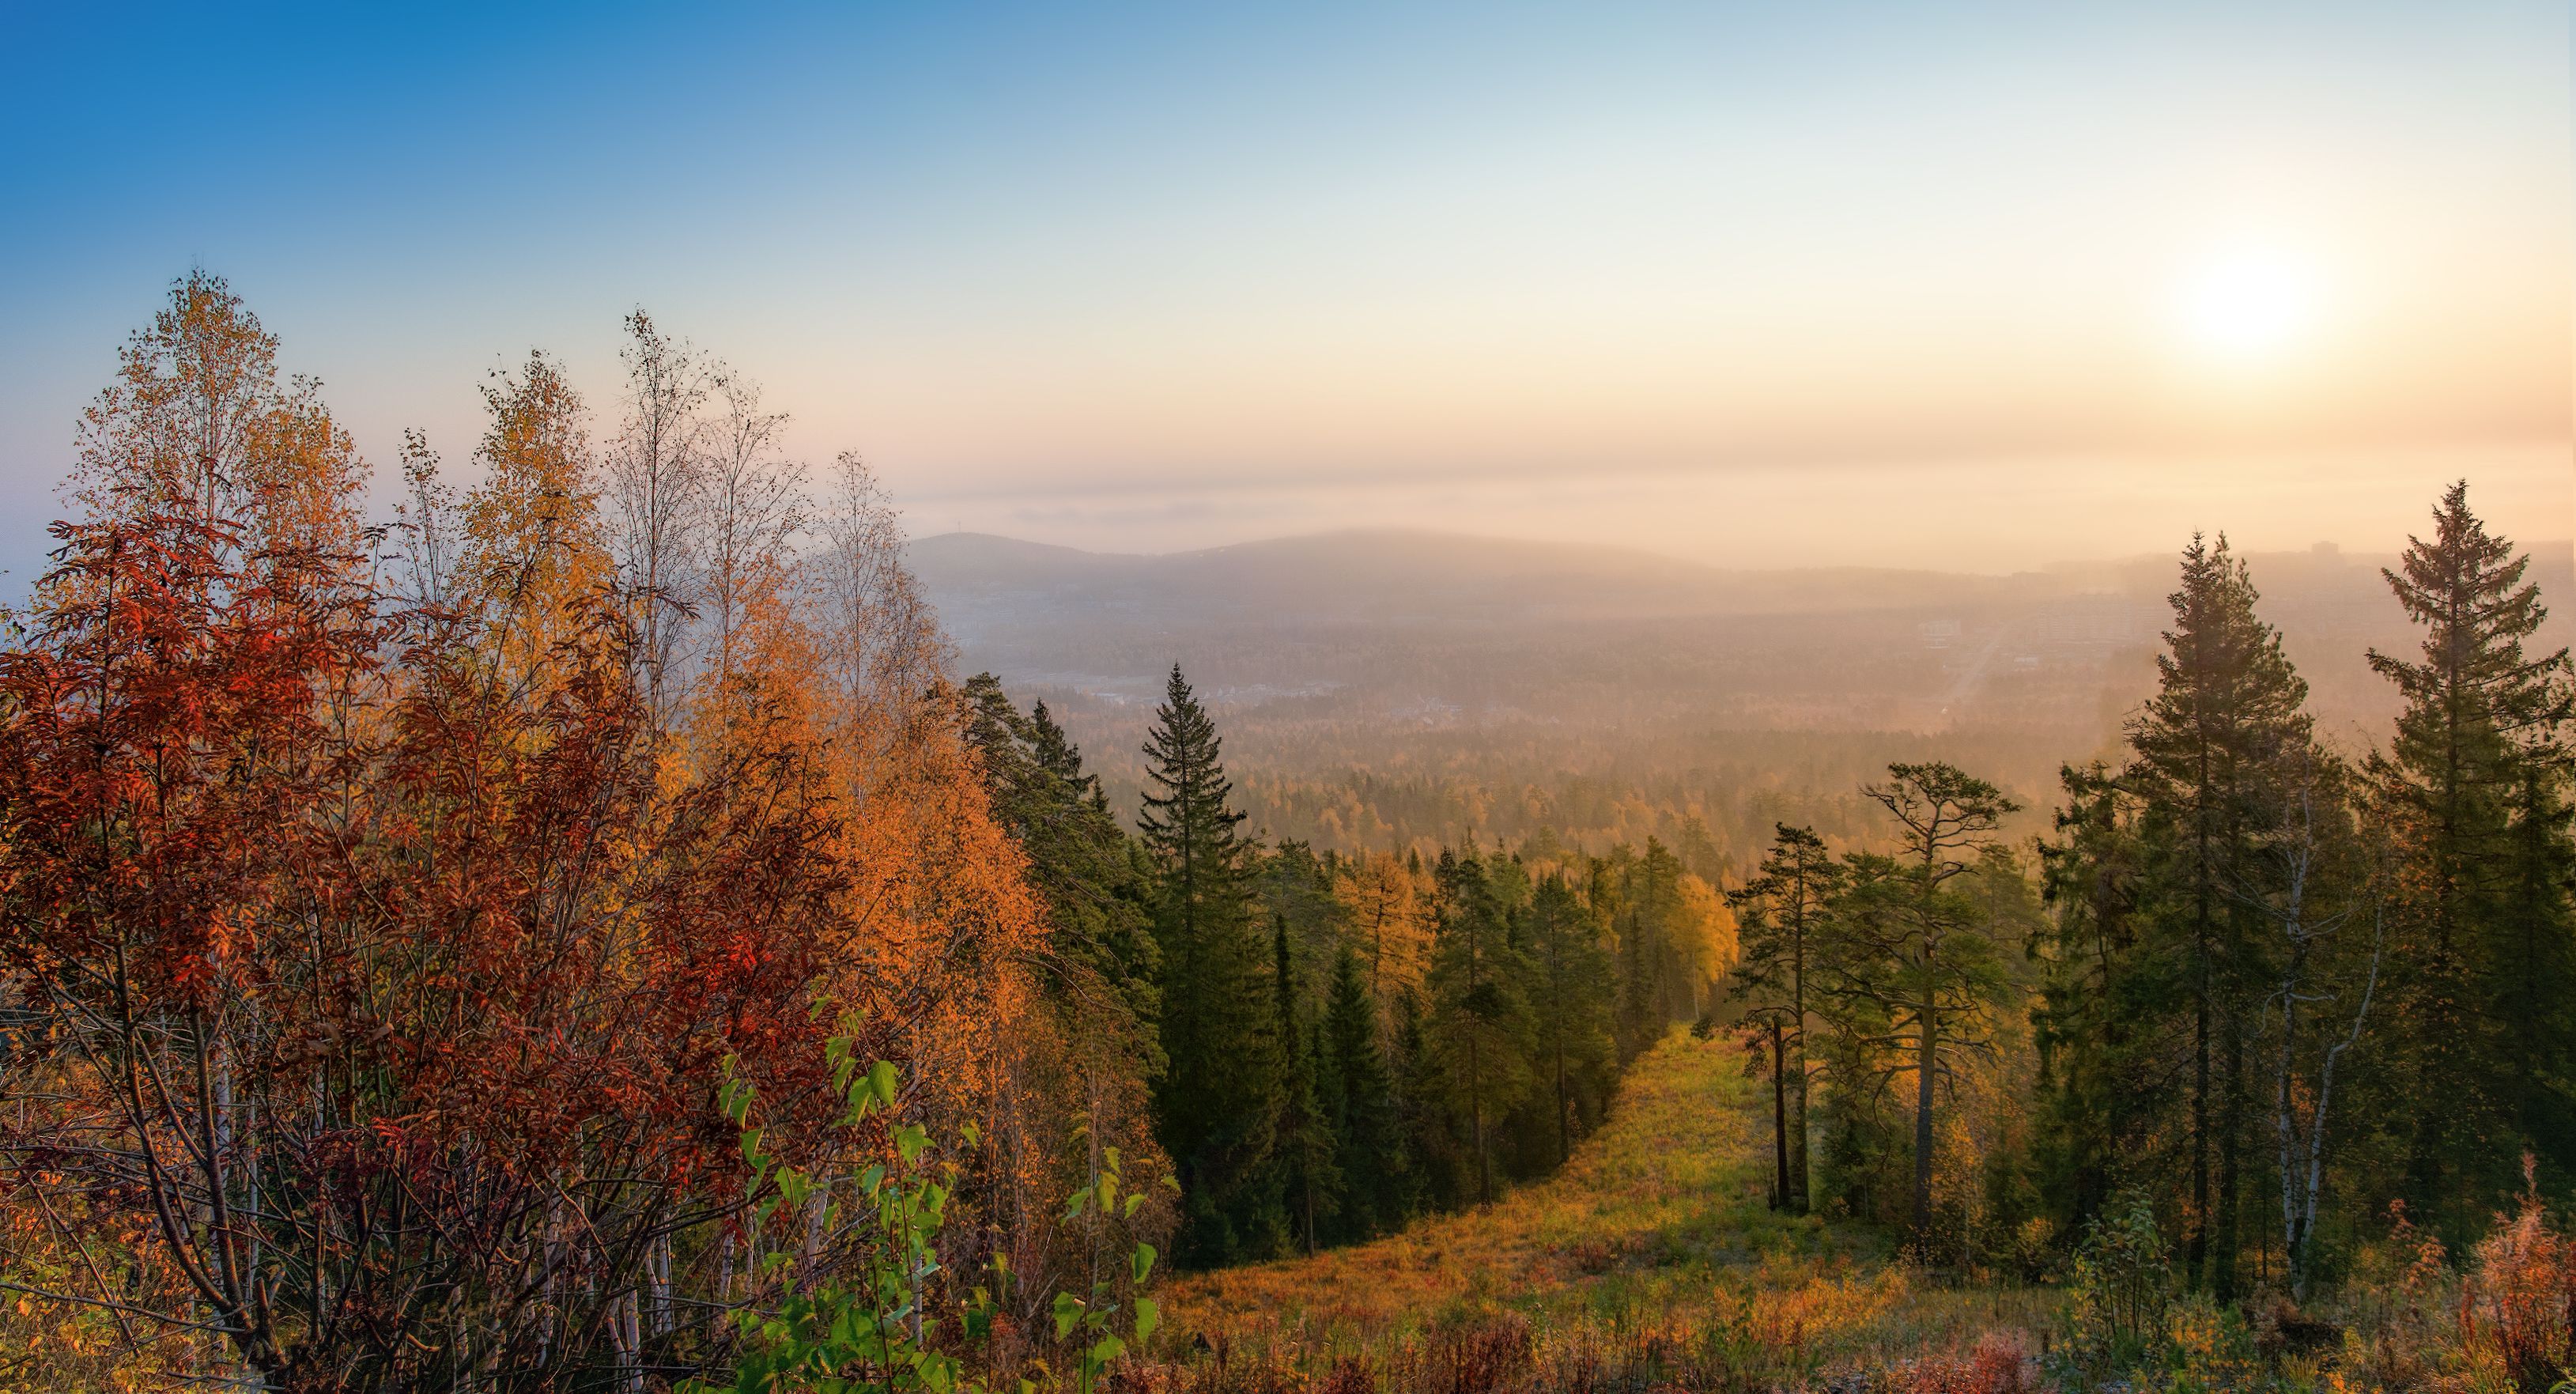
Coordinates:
[1924,1058]
[1780,1198]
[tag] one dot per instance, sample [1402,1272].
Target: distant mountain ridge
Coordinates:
[1402,621]
[1385,573]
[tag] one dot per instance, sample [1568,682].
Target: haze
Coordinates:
[1844,286]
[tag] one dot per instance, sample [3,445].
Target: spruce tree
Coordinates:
[2470,783]
[1221,1093]
[2228,709]
[1102,963]
[1309,1179]
[2107,997]
[1434,1171]
[1360,1099]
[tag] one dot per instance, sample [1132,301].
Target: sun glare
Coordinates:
[2248,305]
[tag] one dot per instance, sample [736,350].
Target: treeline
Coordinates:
[1336,1044]
[1358,784]
[2291,994]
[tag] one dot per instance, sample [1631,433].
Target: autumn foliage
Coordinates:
[372,935]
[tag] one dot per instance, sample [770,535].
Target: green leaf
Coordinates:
[910,1140]
[1134,1199]
[1107,1348]
[751,1145]
[1143,1261]
[881,1076]
[1068,1310]
[1149,1318]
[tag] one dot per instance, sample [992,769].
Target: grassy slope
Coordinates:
[1656,1226]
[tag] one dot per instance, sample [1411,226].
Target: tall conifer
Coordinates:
[2470,782]
[1220,1096]
[2228,708]
[1360,1099]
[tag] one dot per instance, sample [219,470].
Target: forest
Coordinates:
[581,929]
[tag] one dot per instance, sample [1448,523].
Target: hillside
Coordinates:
[1651,1245]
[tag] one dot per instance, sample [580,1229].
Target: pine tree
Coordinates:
[1913,947]
[2228,708]
[1781,916]
[2469,782]
[1221,1093]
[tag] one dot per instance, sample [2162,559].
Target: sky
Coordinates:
[1972,286]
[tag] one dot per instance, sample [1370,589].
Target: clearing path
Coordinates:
[1670,1188]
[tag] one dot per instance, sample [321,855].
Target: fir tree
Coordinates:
[1309,1179]
[2102,1090]
[1360,1098]
[2469,782]
[1221,1093]
[1102,962]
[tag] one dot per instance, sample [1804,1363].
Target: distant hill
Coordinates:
[1398,574]
[1448,661]
[1334,609]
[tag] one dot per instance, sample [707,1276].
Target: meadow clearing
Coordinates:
[1652,1262]
[1652,1257]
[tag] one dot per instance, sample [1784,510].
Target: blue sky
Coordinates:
[1167,276]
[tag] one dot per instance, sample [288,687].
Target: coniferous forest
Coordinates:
[580,928]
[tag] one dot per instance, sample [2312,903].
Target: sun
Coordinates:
[2248,305]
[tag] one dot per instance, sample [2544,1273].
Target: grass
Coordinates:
[1651,1254]
[1651,1265]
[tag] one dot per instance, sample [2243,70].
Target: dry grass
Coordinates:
[1650,1260]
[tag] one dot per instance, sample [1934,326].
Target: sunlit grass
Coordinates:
[1654,1243]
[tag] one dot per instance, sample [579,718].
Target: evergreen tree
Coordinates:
[2228,709]
[1221,1094]
[1360,1100]
[1309,1179]
[1102,961]
[1479,1028]
[2107,999]
[1912,946]
[1570,997]
[1296,885]
[1657,982]
[1781,914]
[1435,1168]
[2470,783]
